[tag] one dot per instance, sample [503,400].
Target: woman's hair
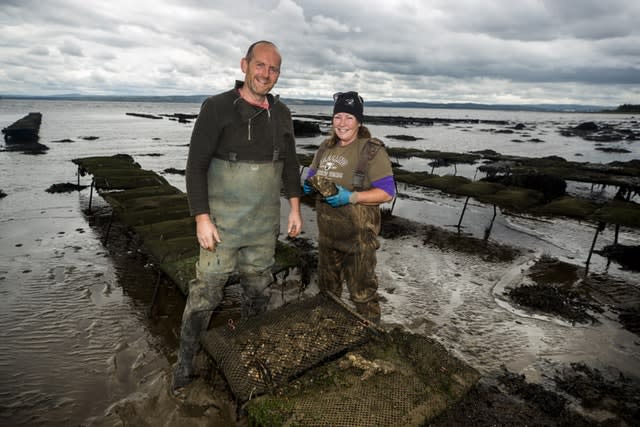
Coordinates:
[363,132]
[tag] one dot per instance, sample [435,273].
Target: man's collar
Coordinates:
[272,99]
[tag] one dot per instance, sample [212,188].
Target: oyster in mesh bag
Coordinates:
[323,185]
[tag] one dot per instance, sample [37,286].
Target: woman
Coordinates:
[349,220]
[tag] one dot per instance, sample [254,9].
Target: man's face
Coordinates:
[262,72]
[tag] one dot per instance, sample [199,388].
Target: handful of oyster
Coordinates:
[323,186]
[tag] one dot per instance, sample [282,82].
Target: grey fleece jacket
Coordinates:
[230,128]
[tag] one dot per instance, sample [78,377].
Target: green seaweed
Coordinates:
[517,199]
[619,212]
[567,206]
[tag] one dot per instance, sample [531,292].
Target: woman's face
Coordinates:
[346,127]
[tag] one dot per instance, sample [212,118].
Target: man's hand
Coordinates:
[294,224]
[207,232]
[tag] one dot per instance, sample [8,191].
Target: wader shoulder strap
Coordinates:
[321,150]
[369,151]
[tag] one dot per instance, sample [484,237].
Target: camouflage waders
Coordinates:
[244,203]
[347,247]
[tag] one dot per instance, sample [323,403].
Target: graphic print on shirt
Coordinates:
[333,166]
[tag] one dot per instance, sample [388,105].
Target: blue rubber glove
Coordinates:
[341,198]
[307,188]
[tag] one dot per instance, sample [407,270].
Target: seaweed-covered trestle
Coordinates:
[158,214]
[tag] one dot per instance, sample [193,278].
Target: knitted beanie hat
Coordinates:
[349,102]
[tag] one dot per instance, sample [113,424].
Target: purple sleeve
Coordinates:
[387,184]
[311,172]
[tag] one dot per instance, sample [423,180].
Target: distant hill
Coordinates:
[293,101]
[573,108]
[626,109]
[113,98]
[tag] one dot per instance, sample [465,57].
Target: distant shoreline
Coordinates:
[563,108]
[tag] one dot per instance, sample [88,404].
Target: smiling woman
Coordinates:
[349,220]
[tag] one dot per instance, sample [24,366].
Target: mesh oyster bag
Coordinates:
[260,354]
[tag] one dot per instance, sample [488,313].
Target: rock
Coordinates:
[306,129]
[65,188]
[613,150]
[181,117]
[146,116]
[403,137]
[602,133]
[175,171]
[587,127]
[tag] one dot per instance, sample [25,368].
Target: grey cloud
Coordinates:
[71,48]
[392,49]
[39,51]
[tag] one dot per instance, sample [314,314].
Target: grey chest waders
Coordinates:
[244,200]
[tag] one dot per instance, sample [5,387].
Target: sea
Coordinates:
[75,332]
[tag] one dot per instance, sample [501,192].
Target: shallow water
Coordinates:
[459,298]
[74,331]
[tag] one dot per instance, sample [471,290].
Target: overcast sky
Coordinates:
[502,51]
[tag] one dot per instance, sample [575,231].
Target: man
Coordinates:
[242,152]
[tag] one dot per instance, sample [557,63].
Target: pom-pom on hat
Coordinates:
[349,102]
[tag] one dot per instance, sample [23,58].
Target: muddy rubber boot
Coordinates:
[254,306]
[192,328]
[367,304]
[255,299]
[375,318]
[369,310]
[205,294]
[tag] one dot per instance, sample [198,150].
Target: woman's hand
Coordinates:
[341,198]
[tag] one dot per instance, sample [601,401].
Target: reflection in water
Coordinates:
[73,329]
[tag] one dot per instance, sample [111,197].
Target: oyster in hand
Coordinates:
[323,186]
